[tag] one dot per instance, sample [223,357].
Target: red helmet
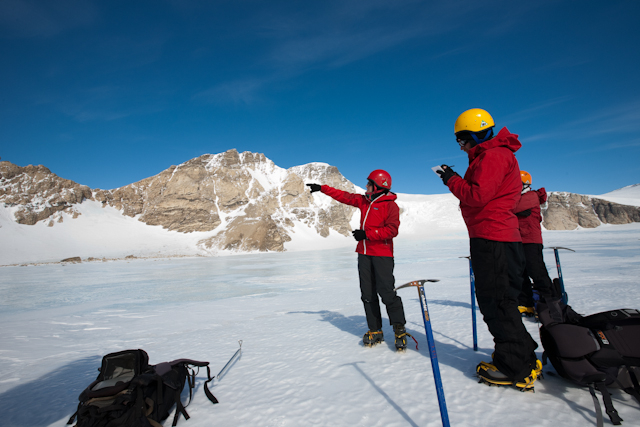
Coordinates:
[381,178]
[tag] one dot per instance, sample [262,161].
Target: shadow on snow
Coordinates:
[50,398]
[460,356]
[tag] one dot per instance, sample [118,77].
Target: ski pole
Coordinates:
[472,279]
[432,347]
[235,355]
[565,297]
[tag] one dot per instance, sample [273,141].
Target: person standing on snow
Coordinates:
[488,195]
[379,223]
[529,218]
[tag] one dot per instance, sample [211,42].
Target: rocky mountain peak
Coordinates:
[38,194]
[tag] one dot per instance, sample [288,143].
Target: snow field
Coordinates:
[301,321]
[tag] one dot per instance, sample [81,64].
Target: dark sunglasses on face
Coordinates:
[461,142]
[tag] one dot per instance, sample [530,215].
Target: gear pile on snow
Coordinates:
[130,392]
[597,351]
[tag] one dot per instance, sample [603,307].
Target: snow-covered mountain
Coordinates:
[228,203]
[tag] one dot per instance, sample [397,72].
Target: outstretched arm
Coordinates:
[350,199]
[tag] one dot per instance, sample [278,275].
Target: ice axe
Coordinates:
[565,297]
[472,278]
[432,346]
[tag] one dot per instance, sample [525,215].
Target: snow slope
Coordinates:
[629,195]
[301,321]
[103,232]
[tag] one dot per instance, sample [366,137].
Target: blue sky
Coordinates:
[106,93]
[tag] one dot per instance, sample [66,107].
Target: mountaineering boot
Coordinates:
[490,375]
[401,337]
[372,338]
[527,311]
[538,369]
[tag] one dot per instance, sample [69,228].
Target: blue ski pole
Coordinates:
[432,347]
[565,297]
[472,278]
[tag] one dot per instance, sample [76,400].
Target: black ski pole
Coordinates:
[435,367]
[472,279]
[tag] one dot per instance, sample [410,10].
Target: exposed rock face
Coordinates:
[251,203]
[568,211]
[251,200]
[37,193]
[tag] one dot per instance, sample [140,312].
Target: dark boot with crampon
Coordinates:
[372,338]
[401,337]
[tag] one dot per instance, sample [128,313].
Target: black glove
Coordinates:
[359,235]
[446,174]
[524,214]
[314,187]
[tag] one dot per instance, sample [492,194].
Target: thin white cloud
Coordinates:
[238,92]
[603,125]
[539,108]
[33,18]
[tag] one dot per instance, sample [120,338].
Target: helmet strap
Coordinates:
[487,136]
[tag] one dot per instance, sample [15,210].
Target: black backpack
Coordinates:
[130,392]
[595,351]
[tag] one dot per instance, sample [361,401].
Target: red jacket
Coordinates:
[530,229]
[380,219]
[491,189]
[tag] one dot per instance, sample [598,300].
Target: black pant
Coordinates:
[537,271]
[376,278]
[498,269]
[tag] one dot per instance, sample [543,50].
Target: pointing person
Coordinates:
[379,223]
[488,195]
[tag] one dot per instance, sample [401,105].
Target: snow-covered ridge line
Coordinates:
[227,203]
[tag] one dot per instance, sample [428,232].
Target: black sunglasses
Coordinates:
[462,142]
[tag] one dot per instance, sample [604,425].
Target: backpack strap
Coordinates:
[635,390]
[608,404]
[210,396]
[191,383]
[596,405]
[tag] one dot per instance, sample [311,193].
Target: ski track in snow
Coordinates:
[301,321]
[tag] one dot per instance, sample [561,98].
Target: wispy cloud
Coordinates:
[616,122]
[539,108]
[330,36]
[237,92]
[33,18]
[102,103]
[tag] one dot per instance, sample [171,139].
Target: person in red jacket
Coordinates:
[379,223]
[488,195]
[529,219]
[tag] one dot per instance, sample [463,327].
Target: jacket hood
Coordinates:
[504,138]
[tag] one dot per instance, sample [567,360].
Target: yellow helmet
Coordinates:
[473,120]
[526,178]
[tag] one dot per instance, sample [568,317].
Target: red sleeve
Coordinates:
[484,184]
[389,229]
[350,199]
[542,195]
[527,201]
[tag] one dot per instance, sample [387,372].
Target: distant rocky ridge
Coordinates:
[244,200]
[568,211]
[251,201]
[37,194]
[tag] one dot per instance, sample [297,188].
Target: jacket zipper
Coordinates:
[364,242]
